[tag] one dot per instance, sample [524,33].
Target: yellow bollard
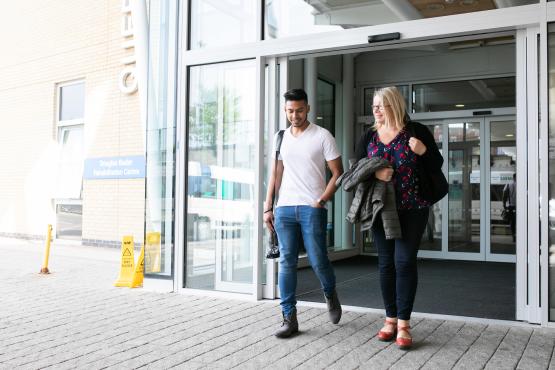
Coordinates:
[44,269]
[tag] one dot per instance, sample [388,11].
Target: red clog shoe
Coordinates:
[386,336]
[404,343]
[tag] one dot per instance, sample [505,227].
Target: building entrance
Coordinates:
[473,120]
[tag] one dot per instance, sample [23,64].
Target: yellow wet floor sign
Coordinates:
[138,276]
[127,263]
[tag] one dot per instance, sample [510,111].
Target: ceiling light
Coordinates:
[319,117]
[509,135]
[459,105]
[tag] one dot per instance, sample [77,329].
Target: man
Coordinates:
[509,196]
[300,211]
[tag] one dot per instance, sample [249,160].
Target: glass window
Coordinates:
[69,177]
[71,105]
[222,22]
[220,197]
[458,95]
[160,141]
[70,162]
[69,220]
[294,17]
[299,17]
[369,97]
[72,102]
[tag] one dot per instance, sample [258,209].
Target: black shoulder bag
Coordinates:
[433,184]
[273,247]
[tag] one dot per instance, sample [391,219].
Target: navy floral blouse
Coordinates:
[404,163]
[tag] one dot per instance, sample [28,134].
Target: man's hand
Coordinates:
[384,174]
[269,220]
[316,204]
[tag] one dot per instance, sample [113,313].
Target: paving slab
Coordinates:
[75,318]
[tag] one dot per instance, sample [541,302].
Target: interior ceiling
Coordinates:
[425,8]
[435,8]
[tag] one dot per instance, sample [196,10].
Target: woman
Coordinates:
[409,149]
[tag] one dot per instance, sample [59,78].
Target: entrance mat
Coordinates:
[461,288]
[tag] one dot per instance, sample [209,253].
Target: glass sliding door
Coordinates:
[502,193]
[480,158]
[432,238]
[221,165]
[463,159]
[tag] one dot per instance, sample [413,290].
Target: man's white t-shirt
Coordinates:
[304,161]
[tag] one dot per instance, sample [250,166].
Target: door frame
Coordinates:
[523,19]
[270,290]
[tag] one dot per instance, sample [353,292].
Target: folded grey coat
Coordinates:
[373,198]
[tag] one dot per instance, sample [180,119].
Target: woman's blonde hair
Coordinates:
[395,116]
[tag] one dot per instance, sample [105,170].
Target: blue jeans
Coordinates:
[292,223]
[397,262]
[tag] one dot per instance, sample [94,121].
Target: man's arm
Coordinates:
[336,168]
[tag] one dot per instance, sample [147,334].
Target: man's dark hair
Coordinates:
[296,95]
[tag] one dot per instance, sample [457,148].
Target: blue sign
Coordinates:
[132,167]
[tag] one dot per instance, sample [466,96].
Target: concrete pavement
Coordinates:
[75,318]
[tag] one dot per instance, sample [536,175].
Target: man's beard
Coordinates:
[301,123]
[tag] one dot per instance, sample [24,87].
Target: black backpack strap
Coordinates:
[278,142]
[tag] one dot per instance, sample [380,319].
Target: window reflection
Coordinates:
[464,187]
[160,148]
[470,94]
[502,191]
[220,193]
[222,22]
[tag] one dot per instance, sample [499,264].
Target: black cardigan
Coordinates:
[432,159]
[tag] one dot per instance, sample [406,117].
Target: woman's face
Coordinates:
[378,110]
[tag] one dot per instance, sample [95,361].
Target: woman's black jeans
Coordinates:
[397,262]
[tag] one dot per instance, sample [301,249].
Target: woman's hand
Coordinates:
[384,174]
[417,146]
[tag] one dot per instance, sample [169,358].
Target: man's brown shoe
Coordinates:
[289,326]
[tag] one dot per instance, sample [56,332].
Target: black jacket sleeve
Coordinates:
[432,159]
[362,144]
